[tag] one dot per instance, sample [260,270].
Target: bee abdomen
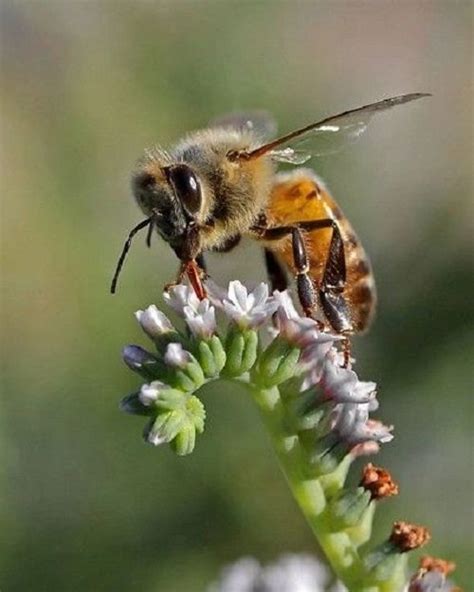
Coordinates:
[362,292]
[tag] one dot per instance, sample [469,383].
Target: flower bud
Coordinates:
[304,410]
[348,507]
[388,561]
[241,349]
[177,425]
[277,363]
[142,362]
[211,356]
[149,393]
[176,356]
[132,404]
[184,371]
[154,322]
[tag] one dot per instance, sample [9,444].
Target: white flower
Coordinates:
[286,308]
[304,333]
[149,393]
[180,296]
[352,424]
[201,320]
[314,358]
[298,573]
[348,415]
[176,356]
[291,573]
[240,576]
[342,385]
[153,321]
[215,293]
[371,430]
[248,309]
[315,354]
[293,327]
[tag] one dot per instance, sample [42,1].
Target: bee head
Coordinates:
[172,196]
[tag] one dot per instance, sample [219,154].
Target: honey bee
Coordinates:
[221,183]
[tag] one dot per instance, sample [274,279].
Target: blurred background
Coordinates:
[86,86]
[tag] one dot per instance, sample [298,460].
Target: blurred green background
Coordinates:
[85,505]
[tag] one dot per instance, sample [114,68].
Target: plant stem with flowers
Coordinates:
[316,411]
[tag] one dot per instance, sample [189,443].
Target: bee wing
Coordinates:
[328,135]
[260,122]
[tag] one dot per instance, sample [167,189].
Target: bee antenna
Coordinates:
[155,216]
[126,248]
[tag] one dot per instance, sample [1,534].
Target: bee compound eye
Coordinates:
[186,187]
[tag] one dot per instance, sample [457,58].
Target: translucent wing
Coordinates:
[260,122]
[328,135]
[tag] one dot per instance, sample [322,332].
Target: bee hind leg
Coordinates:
[329,294]
[331,289]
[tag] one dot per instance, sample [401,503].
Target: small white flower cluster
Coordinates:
[291,572]
[352,399]
[200,315]
[348,400]
[248,310]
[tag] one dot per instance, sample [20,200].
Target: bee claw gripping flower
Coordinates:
[314,406]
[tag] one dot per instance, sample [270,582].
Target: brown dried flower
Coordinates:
[428,563]
[406,536]
[378,481]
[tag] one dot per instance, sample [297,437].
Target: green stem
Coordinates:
[311,493]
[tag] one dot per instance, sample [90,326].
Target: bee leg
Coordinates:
[195,273]
[306,291]
[304,284]
[330,292]
[331,289]
[275,272]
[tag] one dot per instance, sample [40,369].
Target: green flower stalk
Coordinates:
[315,408]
